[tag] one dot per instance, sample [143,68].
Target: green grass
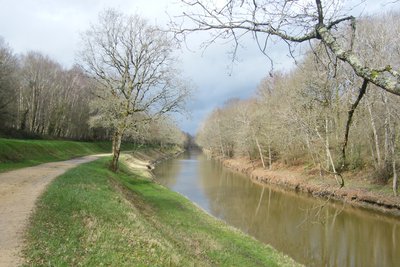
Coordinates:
[92,217]
[16,154]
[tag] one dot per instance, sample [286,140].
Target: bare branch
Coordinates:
[292,22]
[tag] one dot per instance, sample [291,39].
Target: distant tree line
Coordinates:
[309,116]
[40,98]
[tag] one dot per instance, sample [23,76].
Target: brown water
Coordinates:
[309,230]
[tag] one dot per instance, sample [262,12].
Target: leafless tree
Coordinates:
[8,84]
[51,100]
[134,67]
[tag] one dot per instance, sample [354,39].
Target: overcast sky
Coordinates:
[53,28]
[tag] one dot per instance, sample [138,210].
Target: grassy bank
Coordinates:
[16,153]
[93,217]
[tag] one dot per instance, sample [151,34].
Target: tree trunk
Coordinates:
[116,148]
[23,120]
[371,146]
[269,157]
[387,141]
[310,149]
[387,125]
[376,140]
[220,140]
[395,185]
[259,148]
[328,152]
[329,158]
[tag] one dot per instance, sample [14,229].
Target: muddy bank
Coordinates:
[356,192]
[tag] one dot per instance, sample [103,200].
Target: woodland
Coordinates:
[124,86]
[320,114]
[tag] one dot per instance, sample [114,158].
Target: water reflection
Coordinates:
[311,231]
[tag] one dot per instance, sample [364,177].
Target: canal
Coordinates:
[311,231]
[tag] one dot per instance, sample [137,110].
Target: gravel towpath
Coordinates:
[19,190]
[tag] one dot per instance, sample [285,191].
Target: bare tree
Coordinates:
[8,84]
[39,78]
[133,65]
[40,97]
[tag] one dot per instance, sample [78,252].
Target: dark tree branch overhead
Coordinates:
[361,93]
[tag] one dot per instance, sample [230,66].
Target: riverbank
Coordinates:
[358,191]
[91,216]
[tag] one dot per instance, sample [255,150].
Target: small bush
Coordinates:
[382,175]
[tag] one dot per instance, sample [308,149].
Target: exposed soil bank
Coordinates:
[357,191]
[145,160]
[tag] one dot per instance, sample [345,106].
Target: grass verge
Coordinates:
[16,153]
[92,217]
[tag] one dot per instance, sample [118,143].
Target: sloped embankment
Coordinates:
[16,153]
[90,216]
[357,192]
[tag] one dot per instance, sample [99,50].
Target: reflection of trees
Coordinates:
[167,172]
[287,222]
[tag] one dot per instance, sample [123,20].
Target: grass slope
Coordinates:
[16,154]
[92,217]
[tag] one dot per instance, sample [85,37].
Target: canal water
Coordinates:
[311,231]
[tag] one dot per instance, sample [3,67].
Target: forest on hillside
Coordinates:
[300,117]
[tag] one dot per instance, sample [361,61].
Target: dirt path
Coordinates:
[19,190]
